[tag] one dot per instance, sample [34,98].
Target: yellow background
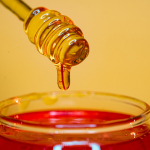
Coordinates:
[119,61]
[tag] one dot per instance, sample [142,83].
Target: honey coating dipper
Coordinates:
[55,37]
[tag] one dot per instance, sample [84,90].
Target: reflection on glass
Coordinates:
[93,146]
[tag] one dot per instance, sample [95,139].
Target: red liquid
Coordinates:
[137,138]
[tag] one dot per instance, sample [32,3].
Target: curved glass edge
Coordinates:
[111,126]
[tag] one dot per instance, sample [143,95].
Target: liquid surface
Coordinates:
[136,138]
[57,38]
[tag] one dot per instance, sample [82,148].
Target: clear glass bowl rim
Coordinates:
[111,126]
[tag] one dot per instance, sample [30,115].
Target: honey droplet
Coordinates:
[63,76]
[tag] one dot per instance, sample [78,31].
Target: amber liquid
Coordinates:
[136,138]
[57,38]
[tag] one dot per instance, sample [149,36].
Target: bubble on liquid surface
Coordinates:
[50,100]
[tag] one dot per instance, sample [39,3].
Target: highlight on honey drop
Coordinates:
[57,38]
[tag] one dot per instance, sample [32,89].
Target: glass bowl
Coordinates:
[74,121]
